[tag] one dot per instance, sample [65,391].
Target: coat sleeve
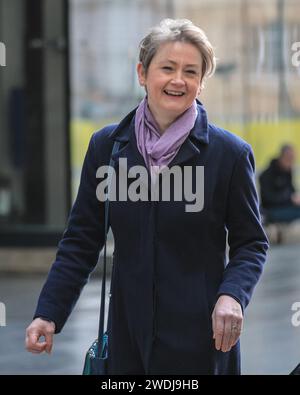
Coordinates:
[247,241]
[78,249]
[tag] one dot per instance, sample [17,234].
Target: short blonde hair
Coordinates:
[178,30]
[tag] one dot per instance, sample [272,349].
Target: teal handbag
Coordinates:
[93,364]
[95,361]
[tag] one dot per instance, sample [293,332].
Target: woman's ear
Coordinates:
[141,74]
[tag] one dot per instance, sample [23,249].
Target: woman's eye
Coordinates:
[167,68]
[191,71]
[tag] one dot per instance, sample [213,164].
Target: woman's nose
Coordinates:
[178,79]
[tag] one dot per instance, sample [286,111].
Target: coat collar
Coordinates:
[124,133]
[200,131]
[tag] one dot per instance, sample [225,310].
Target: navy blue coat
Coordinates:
[170,265]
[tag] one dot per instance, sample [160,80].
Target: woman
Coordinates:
[176,307]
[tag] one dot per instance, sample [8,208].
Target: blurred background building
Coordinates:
[34,118]
[71,69]
[254,91]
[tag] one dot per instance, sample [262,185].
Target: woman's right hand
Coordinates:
[37,329]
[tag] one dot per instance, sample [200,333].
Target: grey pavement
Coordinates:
[270,343]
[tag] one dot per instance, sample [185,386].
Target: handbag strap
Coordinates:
[106,226]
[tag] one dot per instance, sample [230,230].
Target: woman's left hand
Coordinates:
[227,320]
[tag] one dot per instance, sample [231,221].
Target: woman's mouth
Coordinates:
[173,93]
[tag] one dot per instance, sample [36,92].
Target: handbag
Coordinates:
[95,360]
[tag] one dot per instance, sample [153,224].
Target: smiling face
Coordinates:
[172,81]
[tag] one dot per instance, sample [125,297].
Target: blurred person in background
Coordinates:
[177,302]
[279,199]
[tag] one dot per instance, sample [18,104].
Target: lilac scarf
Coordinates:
[159,150]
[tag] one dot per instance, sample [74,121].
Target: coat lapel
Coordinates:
[125,133]
[128,148]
